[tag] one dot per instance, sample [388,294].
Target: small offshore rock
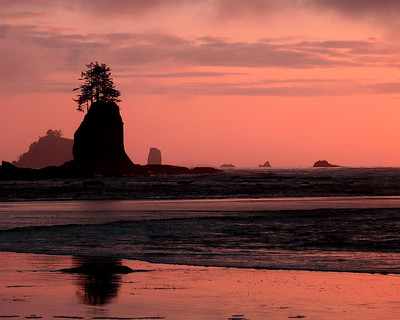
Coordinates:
[265,165]
[227,165]
[324,164]
[154,156]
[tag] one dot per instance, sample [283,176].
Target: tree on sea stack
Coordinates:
[99,141]
[98,86]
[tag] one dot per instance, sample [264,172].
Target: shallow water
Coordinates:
[358,234]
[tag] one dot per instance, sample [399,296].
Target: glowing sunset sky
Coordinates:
[214,81]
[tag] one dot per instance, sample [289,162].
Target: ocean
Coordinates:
[314,219]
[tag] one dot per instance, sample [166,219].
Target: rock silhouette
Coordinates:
[265,165]
[50,150]
[99,141]
[227,165]
[98,148]
[154,157]
[324,164]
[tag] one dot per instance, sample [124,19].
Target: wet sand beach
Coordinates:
[33,287]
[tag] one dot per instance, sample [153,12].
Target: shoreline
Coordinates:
[220,233]
[31,285]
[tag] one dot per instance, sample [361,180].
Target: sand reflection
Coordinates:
[98,279]
[32,286]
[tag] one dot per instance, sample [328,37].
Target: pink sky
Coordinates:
[214,81]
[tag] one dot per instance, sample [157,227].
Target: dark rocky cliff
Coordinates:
[99,141]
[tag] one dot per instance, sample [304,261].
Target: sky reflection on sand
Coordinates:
[29,285]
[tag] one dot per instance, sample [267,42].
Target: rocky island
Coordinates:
[265,165]
[51,150]
[324,164]
[227,165]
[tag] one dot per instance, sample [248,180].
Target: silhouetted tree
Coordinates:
[98,86]
[54,133]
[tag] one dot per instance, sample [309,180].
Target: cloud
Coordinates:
[33,55]
[383,88]
[237,8]
[304,81]
[222,9]
[23,5]
[33,58]
[385,11]
[138,49]
[126,7]
[377,13]
[296,54]
[192,74]
[23,15]
[274,88]
[143,38]
[356,8]
[222,54]
[18,11]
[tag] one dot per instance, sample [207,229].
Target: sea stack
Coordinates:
[154,157]
[99,141]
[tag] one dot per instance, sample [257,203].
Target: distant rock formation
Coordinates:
[99,141]
[227,165]
[98,148]
[70,171]
[265,165]
[67,170]
[50,150]
[324,164]
[154,157]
